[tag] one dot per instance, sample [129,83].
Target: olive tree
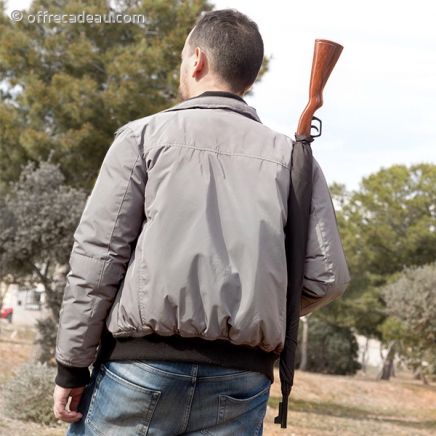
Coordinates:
[411,302]
[40,214]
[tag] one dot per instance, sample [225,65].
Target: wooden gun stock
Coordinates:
[325,56]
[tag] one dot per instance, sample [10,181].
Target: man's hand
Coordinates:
[61,396]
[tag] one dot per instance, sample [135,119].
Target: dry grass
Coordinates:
[355,406]
[10,427]
[319,405]
[15,349]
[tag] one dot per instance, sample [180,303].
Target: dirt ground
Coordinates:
[319,405]
[322,405]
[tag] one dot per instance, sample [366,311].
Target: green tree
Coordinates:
[69,86]
[330,350]
[411,304]
[40,215]
[396,211]
[389,223]
[12,153]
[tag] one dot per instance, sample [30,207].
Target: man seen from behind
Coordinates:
[177,288]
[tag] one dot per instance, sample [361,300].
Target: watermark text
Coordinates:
[83,17]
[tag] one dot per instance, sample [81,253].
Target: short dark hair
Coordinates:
[234,46]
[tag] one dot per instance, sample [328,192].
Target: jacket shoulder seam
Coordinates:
[121,205]
[249,156]
[128,181]
[140,137]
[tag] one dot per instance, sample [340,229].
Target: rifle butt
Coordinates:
[325,55]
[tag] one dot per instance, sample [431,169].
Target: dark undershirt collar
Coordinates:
[221,94]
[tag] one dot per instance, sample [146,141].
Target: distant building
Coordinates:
[27,303]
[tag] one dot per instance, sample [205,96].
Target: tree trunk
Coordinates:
[365,355]
[419,375]
[388,361]
[304,341]
[45,341]
[424,379]
[387,368]
[393,368]
[36,351]
[59,283]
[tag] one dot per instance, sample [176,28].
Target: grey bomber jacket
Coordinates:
[184,234]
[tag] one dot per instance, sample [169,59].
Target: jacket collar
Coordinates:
[218,101]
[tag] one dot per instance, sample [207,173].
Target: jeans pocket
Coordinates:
[248,412]
[120,408]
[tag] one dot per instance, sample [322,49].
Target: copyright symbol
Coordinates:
[17,15]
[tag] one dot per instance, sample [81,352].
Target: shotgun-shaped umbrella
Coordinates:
[296,230]
[325,56]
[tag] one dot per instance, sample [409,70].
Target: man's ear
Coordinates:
[199,62]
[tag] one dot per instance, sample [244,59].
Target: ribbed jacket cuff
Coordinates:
[71,376]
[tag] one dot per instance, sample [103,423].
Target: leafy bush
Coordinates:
[411,301]
[331,349]
[28,395]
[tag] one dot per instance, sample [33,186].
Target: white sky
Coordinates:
[379,104]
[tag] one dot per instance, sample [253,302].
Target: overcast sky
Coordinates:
[379,104]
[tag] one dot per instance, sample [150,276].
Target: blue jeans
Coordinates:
[139,398]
